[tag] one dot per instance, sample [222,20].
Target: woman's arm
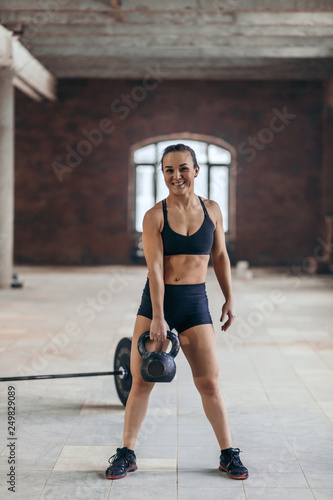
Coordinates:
[153,250]
[221,265]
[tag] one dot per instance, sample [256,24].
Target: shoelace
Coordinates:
[235,460]
[117,457]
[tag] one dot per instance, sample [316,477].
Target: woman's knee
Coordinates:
[139,386]
[207,386]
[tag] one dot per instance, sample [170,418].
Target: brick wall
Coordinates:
[327,185]
[78,210]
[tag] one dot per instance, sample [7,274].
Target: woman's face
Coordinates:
[179,172]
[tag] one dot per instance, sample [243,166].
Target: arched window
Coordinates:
[213,181]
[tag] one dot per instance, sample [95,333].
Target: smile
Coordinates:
[178,183]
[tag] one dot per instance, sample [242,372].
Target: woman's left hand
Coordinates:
[227,310]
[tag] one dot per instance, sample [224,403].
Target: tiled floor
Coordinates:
[276,373]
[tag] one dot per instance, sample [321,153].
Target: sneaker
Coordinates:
[232,465]
[122,462]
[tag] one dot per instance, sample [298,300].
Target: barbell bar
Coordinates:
[122,371]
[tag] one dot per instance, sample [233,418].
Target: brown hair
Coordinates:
[179,148]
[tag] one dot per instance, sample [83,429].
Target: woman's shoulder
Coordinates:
[211,205]
[213,209]
[154,216]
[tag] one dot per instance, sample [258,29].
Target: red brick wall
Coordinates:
[85,219]
[328,150]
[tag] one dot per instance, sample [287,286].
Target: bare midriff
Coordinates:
[185,269]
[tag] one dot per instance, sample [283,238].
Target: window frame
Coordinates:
[208,140]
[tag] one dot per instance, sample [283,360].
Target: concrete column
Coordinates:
[6,176]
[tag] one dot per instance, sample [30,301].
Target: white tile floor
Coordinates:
[276,373]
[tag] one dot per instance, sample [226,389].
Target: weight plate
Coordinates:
[122,358]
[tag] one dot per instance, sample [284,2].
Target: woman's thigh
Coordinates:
[142,324]
[199,346]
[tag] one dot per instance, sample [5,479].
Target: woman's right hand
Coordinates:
[158,329]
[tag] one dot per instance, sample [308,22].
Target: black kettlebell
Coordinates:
[158,366]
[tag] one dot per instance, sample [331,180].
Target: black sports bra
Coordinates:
[199,243]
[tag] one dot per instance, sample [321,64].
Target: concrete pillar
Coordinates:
[6,176]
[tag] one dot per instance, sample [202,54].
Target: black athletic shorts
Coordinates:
[184,305]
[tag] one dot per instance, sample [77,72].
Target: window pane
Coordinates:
[147,154]
[218,155]
[164,144]
[144,192]
[200,149]
[161,190]
[219,192]
[201,182]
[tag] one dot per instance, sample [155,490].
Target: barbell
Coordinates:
[155,367]
[122,371]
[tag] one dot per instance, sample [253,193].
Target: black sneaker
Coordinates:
[232,465]
[122,462]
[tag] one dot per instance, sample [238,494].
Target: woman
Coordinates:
[179,235]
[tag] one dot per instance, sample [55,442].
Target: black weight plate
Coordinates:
[122,357]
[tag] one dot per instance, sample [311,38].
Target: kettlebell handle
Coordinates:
[170,335]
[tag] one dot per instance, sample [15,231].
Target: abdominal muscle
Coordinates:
[185,269]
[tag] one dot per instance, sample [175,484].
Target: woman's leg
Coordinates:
[138,399]
[199,346]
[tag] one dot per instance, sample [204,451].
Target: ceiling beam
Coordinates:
[158,5]
[192,53]
[23,87]
[228,4]
[210,30]
[187,38]
[178,42]
[28,74]
[6,52]
[136,68]
[40,18]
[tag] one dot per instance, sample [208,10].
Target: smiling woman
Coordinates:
[213,182]
[179,235]
[188,230]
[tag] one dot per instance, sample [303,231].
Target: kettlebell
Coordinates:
[158,366]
